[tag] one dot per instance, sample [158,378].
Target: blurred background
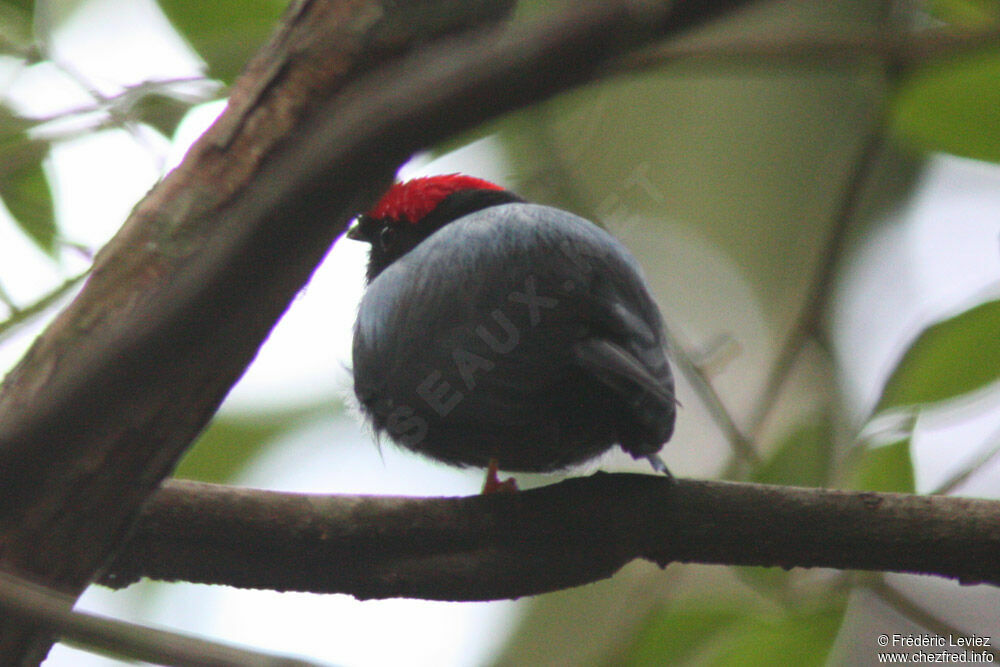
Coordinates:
[818,215]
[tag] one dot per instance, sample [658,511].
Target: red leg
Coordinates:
[493,483]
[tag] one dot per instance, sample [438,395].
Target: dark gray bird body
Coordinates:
[516,332]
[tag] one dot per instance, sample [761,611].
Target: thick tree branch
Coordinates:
[574,532]
[106,401]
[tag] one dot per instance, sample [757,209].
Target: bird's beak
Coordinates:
[354,232]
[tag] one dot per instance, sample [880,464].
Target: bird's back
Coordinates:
[518,332]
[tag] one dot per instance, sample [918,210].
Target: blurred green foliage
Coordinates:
[15,26]
[888,468]
[24,188]
[225,33]
[953,107]
[967,13]
[948,360]
[731,632]
[234,440]
[802,458]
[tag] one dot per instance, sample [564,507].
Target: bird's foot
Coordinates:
[660,467]
[493,483]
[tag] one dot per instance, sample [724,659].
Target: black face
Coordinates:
[391,239]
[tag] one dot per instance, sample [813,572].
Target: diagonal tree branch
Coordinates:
[106,401]
[574,532]
[901,604]
[120,638]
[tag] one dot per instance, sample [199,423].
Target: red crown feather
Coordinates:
[415,198]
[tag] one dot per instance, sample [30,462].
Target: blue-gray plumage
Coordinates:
[497,329]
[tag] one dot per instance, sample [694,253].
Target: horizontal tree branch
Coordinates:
[570,533]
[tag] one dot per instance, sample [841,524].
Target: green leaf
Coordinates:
[161,111]
[967,13]
[951,358]
[771,582]
[25,191]
[803,458]
[684,632]
[16,36]
[888,468]
[735,632]
[26,6]
[953,106]
[232,441]
[225,33]
[800,638]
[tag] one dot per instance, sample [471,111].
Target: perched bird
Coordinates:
[495,332]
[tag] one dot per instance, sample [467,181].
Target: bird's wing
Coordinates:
[625,352]
[620,370]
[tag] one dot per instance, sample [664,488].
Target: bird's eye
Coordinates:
[386,237]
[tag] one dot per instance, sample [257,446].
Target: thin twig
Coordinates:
[919,615]
[987,455]
[127,97]
[6,300]
[118,119]
[741,446]
[23,314]
[807,323]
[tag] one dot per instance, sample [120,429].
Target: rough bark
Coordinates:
[574,532]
